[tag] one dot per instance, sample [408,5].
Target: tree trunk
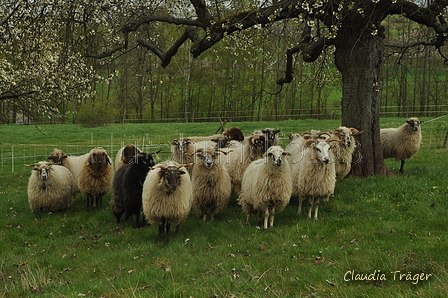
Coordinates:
[360,65]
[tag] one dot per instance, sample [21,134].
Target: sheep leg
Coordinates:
[316,207]
[168,227]
[271,223]
[402,167]
[137,222]
[266,218]
[259,218]
[310,206]
[299,209]
[98,202]
[89,201]
[161,229]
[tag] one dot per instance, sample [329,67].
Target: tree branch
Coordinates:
[12,95]
[190,33]
[202,12]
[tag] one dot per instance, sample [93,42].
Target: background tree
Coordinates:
[354,28]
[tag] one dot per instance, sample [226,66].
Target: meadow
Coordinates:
[377,237]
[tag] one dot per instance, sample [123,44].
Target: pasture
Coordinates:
[377,237]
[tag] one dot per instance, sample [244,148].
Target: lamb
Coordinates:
[266,186]
[167,196]
[127,186]
[234,134]
[252,149]
[344,150]
[50,187]
[95,176]
[314,177]
[125,154]
[211,182]
[402,143]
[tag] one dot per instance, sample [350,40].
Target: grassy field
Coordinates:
[391,231]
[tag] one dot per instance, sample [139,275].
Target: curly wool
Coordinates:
[266,186]
[55,193]
[161,203]
[240,157]
[212,186]
[95,179]
[401,143]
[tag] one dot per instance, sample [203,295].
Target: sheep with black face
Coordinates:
[127,186]
[95,177]
[167,196]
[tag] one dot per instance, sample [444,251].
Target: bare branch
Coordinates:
[190,33]
[107,53]
[202,12]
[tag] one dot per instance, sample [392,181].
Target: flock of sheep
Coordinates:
[203,172]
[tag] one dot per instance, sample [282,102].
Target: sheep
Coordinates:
[252,149]
[72,163]
[125,154]
[314,176]
[271,136]
[50,187]
[266,186]
[182,150]
[295,145]
[230,134]
[95,176]
[167,196]
[402,143]
[344,150]
[211,182]
[234,134]
[127,186]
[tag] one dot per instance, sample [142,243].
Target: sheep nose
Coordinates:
[278,162]
[326,160]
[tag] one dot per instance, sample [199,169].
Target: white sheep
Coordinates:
[95,176]
[167,196]
[241,156]
[266,186]
[402,143]
[314,176]
[72,163]
[343,151]
[211,181]
[296,140]
[182,151]
[50,187]
[125,154]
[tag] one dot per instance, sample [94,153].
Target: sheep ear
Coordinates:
[33,165]
[286,153]
[182,172]
[109,161]
[420,122]
[277,131]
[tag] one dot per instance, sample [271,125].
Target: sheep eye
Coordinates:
[318,150]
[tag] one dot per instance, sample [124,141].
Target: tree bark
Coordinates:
[358,57]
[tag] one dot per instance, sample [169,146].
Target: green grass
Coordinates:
[378,223]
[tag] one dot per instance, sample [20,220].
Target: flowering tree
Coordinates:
[353,27]
[41,70]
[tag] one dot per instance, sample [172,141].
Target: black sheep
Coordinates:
[128,184]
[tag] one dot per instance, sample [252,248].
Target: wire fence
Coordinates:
[13,157]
